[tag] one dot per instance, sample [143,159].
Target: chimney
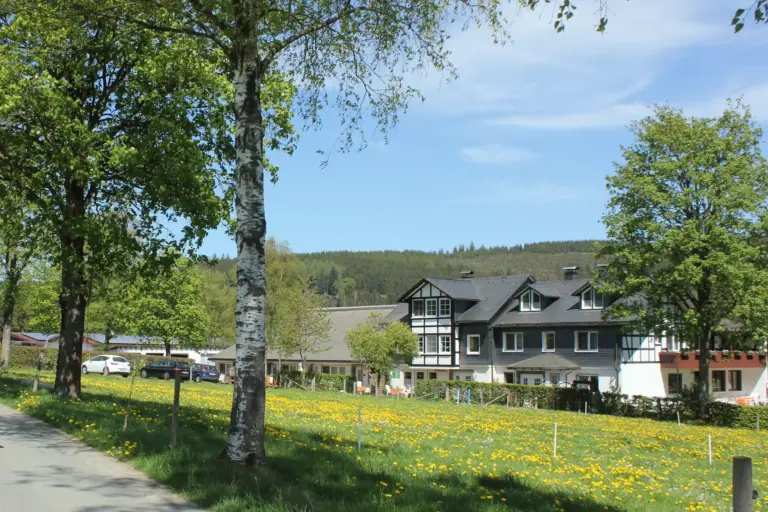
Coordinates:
[570,273]
[466,274]
[600,268]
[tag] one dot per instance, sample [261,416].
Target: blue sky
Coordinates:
[517,149]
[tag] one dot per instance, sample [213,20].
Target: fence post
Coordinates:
[678,418]
[554,448]
[469,395]
[709,447]
[509,396]
[313,384]
[757,422]
[175,418]
[458,395]
[481,397]
[742,484]
[447,394]
[359,428]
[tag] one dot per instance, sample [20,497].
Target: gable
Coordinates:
[424,290]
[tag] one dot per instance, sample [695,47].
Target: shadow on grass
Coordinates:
[306,472]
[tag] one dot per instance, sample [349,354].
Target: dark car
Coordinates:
[205,372]
[165,369]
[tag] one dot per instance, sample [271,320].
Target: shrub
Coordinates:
[26,357]
[323,381]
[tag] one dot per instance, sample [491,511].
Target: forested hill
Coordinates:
[350,278]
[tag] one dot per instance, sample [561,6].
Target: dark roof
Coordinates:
[399,314]
[546,289]
[495,292]
[565,309]
[342,320]
[545,362]
[462,289]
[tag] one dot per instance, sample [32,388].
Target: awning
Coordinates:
[545,362]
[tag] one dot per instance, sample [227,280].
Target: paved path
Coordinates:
[46,470]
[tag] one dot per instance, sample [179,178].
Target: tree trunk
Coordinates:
[74,287]
[167,345]
[12,277]
[246,432]
[703,385]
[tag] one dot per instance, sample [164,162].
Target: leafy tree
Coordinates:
[109,130]
[170,308]
[307,324]
[111,309]
[686,225]
[380,347]
[220,297]
[38,305]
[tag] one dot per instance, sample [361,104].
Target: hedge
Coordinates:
[323,381]
[26,357]
[570,399]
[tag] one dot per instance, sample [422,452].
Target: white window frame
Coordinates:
[440,340]
[516,337]
[469,343]
[426,308]
[413,309]
[530,294]
[421,344]
[590,335]
[440,307]
[592,295]
[427,339]
[333,369]
[544,341]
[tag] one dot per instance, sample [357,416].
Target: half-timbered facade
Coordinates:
[518,330]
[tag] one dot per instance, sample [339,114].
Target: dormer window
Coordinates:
[592,299]
[417,307]
[530,301]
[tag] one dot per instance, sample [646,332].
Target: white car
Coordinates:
[106,365]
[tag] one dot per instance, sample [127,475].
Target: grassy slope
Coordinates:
[416,456]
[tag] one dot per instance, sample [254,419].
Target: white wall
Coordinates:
[644,379]
[200,356]
[606,377]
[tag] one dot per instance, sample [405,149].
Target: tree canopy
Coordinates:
[686,223]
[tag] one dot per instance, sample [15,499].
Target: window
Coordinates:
[421,344]
[432,375]
[530,301]
[431,344]
[554,378]
[417,307]
[537,381]
[445,307]
[548,342]
[718,380]
[457,377]
[734,380]
[586,341]
[512,342]
[445,344]
[431,307]
[468,378]
[592,299]
[419,375]
[408,377]
[334,370]
[473,344]
[674,383]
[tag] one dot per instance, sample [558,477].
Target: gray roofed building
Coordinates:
[399,314]
[342,320]
[565,309]
[495,292]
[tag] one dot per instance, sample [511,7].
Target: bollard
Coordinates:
[742,484]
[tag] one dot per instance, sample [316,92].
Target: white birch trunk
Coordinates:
[246,433]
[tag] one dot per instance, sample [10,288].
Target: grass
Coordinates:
[416,456]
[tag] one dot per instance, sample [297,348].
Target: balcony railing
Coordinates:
[717,359]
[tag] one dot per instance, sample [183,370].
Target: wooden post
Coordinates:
[481,397]
[678,418]
[175,418]
[757,422]
[742,484]
[509,397]
[39,364]
[313,384]
[447,394]
[458,395]
[469,395]
[554,448]
[128,405]
[359,428]
[709,447]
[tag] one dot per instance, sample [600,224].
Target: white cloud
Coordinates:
[495,154]
[613,116]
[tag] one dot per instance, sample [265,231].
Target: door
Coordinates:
[97,364]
